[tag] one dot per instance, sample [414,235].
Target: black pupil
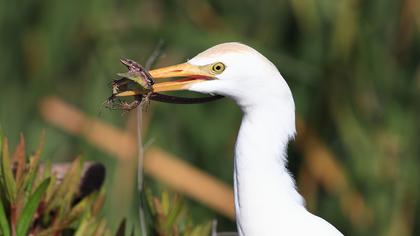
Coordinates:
[218,67]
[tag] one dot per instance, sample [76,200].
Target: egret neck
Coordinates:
[262,183]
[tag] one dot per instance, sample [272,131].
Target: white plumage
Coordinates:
[266,200]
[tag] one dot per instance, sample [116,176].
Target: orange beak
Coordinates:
[191,74]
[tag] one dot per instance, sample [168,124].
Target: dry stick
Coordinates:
[157,52]
[140,163]
[140,151]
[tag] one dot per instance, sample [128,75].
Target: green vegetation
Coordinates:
[35,202]
[170,217]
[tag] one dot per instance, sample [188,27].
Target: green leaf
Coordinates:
[34,161]
[149,199]
[78,210]
[30,208]
[18,159]
[165,202]
[7,173]
[63,194]
[86,227]
[175,212]
[99,203]
[31,174]
[83,227]
[200,230]
[100,228]
[4,224]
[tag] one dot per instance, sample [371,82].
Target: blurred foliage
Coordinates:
[353,67]
[170,218]
[35,202]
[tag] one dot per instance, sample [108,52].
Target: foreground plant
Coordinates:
[170,216]
[34,201]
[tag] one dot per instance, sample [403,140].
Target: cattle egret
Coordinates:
[266,200]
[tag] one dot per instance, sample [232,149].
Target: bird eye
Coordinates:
[218,68]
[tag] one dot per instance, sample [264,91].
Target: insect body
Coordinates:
[137,73]
[137,81]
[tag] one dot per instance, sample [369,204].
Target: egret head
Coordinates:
[230,69]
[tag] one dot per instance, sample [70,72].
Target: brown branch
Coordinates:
[165,167]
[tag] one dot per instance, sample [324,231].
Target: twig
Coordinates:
[157,52]
[140,172]
[140,151]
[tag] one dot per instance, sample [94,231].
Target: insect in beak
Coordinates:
[141,85]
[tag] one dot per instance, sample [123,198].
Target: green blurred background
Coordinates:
[353,67]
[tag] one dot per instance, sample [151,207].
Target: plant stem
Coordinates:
[140,151]
[140,170]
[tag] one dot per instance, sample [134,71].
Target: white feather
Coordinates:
[266,200]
